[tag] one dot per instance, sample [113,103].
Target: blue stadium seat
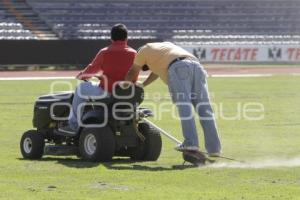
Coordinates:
[86,19]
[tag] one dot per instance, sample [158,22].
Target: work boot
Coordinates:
[195,157]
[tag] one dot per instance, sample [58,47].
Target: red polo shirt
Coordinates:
[113,62]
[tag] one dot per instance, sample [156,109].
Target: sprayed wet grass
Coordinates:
[274,138]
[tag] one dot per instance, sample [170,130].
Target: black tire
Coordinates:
[150,149]
[32,145]
[104,144]
[138,153]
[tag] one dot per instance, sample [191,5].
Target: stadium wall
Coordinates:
[246,53]
[54,52]
[81,52]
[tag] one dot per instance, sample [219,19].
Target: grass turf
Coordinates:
[276,136]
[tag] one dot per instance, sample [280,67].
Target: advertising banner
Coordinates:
[246,53]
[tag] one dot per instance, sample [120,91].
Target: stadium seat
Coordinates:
[227,20]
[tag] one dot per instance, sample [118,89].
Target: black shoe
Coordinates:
[195,157]
[67,130]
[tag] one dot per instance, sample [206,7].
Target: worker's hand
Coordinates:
[124,84]
[98,76]
[139,84]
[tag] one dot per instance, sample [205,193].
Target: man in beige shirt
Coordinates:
[186,80]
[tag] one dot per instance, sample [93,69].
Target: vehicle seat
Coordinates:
[126,101]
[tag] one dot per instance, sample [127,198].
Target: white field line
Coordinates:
[34,78]
[142,76]
[239,75]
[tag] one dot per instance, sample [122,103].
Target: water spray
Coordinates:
[175,140]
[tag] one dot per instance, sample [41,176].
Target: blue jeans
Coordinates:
[84,92]
[188,88]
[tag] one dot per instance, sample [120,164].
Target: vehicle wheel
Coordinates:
[150,149]
[32,145]
[138,153]
[97,144]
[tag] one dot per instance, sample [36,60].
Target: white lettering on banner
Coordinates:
[233,54]
[246,53]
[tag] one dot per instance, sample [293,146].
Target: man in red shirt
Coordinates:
[110,65]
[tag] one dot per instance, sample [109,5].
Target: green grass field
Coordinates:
[276,137]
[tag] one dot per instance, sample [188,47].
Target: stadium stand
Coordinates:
[20,22]
[191,21]
[11,29]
